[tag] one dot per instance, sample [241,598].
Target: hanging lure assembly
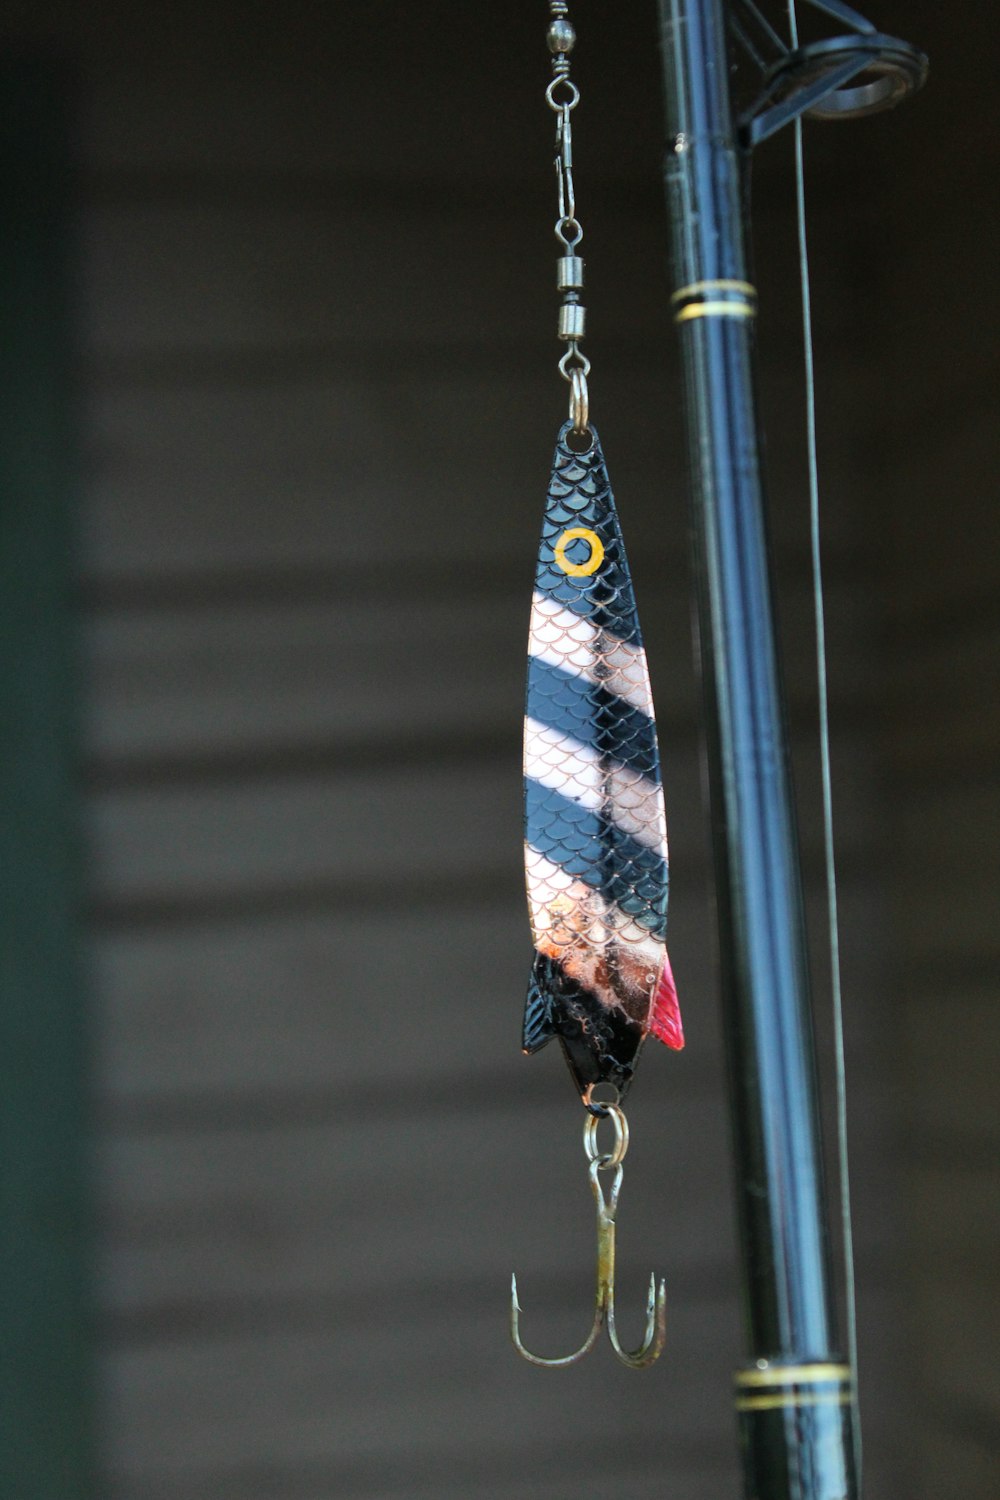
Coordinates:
[595,828]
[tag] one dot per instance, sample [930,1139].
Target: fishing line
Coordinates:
[824,743]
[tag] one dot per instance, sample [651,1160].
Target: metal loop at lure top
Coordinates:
[604,1312]
[575,367]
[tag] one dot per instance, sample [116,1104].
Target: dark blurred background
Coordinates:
[280,400]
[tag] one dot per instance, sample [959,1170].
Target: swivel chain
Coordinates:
[562,96]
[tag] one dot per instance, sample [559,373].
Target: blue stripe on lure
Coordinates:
[594,828]
[588,845]
[589,713]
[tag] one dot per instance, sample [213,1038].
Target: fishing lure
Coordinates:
[595,850]
[594,826]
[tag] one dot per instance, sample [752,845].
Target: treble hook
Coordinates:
[656,1302]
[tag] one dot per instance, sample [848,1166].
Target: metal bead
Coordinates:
[561,36]
[569,273]
[572,319]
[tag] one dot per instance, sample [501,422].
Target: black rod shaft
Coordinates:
[794,1394]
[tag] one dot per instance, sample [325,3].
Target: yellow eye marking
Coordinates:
[581,534]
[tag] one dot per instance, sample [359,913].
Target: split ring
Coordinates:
[614,1157]
[579,400]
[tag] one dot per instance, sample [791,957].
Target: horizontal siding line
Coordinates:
[964,1002]
[268,1481]
[359,360]
[527,199]
[488,1091]
[453,894]
[925,435]
[371,361]
[963,1154]
[164,910]
[964,1419]
[431,581]
[934,975]
[960,1153]
[511,1086]
[954,623]
[939,1262]
[397,1473]
[975,766]
[961,702]
[231,767]
[165,1323]
[234,767]
[177,1227]
[918,624]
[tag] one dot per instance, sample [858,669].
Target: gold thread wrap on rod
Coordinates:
[781,1403]
[722,297]
[792,1374]
[759,1389]
[720,284]
[715,310]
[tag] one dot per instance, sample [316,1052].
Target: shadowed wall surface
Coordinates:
[45,1409]
[317,351]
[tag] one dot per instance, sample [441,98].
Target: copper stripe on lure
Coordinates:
[595,835]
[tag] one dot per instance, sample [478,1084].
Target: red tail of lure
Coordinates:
[594,826]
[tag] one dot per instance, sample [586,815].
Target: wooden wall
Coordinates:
[46,1426]
[941,731]
[320,403]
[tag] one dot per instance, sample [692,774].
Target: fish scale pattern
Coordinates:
[595,830]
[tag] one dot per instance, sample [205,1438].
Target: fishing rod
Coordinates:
[795,1395]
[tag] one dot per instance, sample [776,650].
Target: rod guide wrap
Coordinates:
[714,299]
